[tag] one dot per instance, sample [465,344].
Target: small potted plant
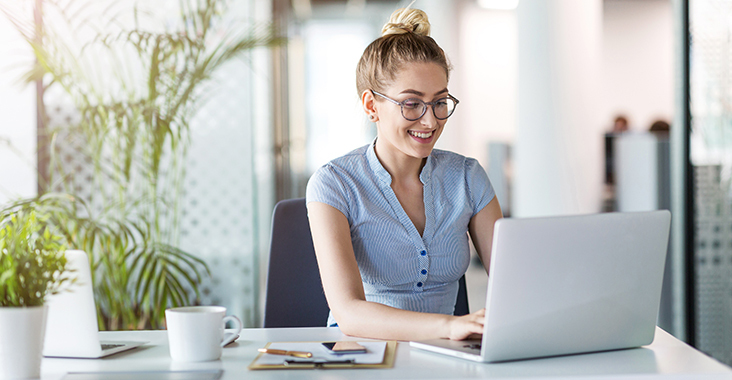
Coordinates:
[32,265]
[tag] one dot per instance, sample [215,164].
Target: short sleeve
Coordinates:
[325,186]
[481,190]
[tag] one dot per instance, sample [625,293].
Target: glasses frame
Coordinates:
[424,110]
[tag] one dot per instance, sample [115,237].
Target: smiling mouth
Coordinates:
[422,135]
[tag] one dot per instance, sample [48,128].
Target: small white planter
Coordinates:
[21,341]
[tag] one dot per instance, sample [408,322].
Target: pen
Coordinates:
[297,354]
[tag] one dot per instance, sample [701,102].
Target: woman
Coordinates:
[389,220]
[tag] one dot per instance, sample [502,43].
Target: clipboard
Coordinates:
[388,361]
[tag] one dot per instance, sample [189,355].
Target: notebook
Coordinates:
[71,326]
[568,285]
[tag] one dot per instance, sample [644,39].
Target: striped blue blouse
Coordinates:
[399,267]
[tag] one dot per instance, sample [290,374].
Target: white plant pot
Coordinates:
[21,341]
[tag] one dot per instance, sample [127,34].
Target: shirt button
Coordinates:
[423,253]
[424,271]
[419,284]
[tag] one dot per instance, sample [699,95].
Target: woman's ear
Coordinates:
[369,105]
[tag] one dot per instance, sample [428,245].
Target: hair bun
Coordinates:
[407,20]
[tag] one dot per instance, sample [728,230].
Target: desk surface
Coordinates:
[666,357]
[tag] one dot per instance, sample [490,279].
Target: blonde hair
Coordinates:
[404,39]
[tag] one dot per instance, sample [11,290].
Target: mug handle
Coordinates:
[230,337]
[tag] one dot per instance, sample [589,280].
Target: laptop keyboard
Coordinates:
[474,346]
[110,346]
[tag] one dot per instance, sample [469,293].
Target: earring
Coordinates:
[371,117]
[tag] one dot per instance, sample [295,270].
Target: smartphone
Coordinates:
[345,347]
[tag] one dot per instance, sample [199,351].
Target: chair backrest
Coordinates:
[294,296]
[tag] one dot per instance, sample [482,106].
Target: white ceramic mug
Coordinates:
[196,333]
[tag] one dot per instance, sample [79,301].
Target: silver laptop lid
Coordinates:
[71,323]
[563,285]
[71,327]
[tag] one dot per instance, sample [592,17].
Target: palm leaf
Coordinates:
[129,134]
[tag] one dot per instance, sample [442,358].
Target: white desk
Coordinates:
[666,358]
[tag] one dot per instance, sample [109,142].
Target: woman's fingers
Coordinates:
[468,326]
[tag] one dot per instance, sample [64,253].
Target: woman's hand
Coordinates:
[467,326]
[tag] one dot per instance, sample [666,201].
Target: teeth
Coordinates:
[422,135]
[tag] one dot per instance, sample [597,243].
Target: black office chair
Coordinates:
[294,296]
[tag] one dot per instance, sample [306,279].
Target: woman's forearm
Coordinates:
[373,320]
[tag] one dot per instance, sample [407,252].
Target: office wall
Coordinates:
[17,118]
[486,79]
[637,61]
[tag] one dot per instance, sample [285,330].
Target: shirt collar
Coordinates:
[376,166]
[426,173]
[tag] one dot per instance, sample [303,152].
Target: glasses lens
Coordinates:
[444,108]
[413,109]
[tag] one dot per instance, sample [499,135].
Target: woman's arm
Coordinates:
[481,230]
[347,300]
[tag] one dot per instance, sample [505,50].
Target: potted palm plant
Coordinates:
[136,77]
[32,266]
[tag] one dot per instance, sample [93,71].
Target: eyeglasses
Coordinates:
[413,109]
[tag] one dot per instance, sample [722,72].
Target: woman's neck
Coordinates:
[399,165]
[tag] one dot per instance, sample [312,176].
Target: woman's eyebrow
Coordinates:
[420,93]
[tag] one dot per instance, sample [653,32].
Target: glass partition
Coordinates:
[710,28]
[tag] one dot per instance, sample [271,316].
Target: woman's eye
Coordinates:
[411,104]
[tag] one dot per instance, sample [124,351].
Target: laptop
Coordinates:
[569,285]
[71,325]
